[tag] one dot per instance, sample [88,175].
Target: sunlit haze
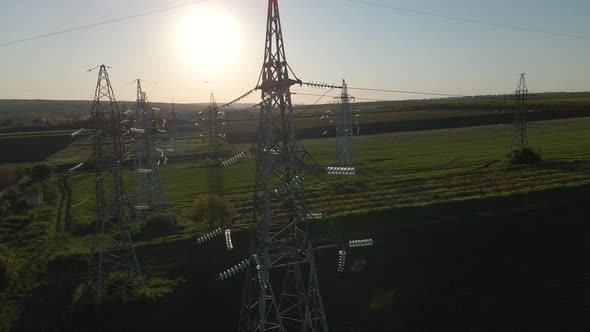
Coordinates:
[208,40]
[217,46]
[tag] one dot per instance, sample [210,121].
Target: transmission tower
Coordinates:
[519,136]
[281,291]
[215,136]
[113,265]
[215,139]
[173,114]
[214,167]
[147,182]
[345,155]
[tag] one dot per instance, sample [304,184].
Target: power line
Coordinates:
[469,20]
[101,23]
[315,103]
[495,98]
[408,92]
[320,85]
[330,96]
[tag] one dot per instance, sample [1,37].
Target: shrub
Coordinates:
[524,156]
[211,209]
[83,297]
[8,175]
[3,272]
[40,172]
[159,223]
[6,257]
[18,219]
[125,305]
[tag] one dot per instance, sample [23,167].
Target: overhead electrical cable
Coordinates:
[320,85]
[315,103]
[330,96]
[473,21]
[101,23]
[409,92]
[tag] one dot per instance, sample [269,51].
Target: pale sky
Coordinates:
[222,42]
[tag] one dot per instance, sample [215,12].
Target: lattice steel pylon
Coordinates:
[519,135]
[215,139]
[214,168]
[345,154]
[215,135]
[148,188]
[113,265]
[281,290]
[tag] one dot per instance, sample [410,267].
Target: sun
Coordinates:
[207,38]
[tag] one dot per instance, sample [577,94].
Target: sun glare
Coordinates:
[208,38]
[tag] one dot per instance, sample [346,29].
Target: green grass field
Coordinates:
[396,170]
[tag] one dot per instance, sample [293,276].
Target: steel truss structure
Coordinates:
[149,195]
[281,291]
[519,135]
[113,265]
[345,154]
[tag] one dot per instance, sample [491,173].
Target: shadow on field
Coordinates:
[31,149]
[519,263]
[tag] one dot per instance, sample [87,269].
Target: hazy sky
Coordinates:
[221,42]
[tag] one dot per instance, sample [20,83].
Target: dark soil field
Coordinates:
[31,149]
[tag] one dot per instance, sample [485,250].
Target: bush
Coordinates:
[8,176]
[18,219]
[40,172]
[211,209]
[159,223]
[83,297]
[126,305]
[524,156]
[3,272]
[6,257]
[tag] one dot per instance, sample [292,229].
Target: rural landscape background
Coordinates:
[465,237]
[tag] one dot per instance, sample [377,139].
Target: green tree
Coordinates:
[210,209]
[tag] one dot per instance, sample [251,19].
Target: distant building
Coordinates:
[33,198]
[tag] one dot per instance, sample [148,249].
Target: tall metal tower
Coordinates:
[345,155]
[173,114]
[147,182]
[281,290]
[215,136]
[519,135]
[214,168]
[113,265]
